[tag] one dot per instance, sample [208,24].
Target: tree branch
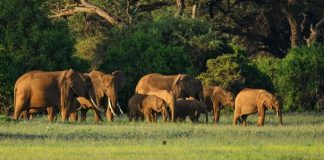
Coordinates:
[154,6]
[86,7]
[314,32]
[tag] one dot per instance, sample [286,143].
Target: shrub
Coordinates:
[234,72]
[301,77]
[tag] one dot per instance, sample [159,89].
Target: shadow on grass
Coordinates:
[66,137]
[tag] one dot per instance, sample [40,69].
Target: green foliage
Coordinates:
[268,67]
[196,36]
[234,72]
[167,45]
[301,77]
[139,52]
[30,41]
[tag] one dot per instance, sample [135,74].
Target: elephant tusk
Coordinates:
[81,106]
[277,114]
[109,105]
[121,111]
[94,104]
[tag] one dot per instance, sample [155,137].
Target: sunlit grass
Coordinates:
[301,137]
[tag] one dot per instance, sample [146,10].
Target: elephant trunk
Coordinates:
[111,100]
[206,112]
[201,97]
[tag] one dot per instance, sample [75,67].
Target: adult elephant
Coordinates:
[216,98]
[39,89]
[75,103]
[178,86]
[250,101]
[106,88]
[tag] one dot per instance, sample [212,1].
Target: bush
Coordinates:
[234,72]
[301,77]
[269,67]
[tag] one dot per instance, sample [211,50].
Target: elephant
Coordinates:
[215,98]
[250,101]
[53,110]
[178,86]
[146,105]
[40,89]
[190,107]
[106,88]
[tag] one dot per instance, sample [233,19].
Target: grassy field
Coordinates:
[301,137]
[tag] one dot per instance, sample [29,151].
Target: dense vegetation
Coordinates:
[234,44]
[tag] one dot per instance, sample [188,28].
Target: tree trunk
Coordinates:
[194,9]
[295,30]
[181,6]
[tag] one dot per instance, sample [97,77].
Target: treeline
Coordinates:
[155,41]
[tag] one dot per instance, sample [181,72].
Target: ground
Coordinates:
[301,137]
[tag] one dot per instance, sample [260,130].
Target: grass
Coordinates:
[301,137]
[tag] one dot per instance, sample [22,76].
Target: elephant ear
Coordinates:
[107,79]
[266,98]
[120,79]
[66,85]
[176,86]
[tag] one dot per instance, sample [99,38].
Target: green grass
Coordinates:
[301,137]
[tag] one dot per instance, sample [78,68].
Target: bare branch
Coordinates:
[86,7]
[314,32]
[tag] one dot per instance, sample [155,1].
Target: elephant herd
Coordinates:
[175,97]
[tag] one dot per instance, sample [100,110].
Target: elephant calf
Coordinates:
[250,101]
[146,105]
[189,107]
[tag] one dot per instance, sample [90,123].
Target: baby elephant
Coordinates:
[250,101]
[189,107]
[146,105]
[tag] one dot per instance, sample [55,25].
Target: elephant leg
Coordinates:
[216,110]
[235,118]
[197,115]
[24,115]
[64,114]
[135,118]
[155,117]
[97,116]
[50,114]
[244,117]
[84,114]
[19,107]
[130,118]
[74,116]
[260,119]
[109,115]
[192,116]
[147,116]
[29,116]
